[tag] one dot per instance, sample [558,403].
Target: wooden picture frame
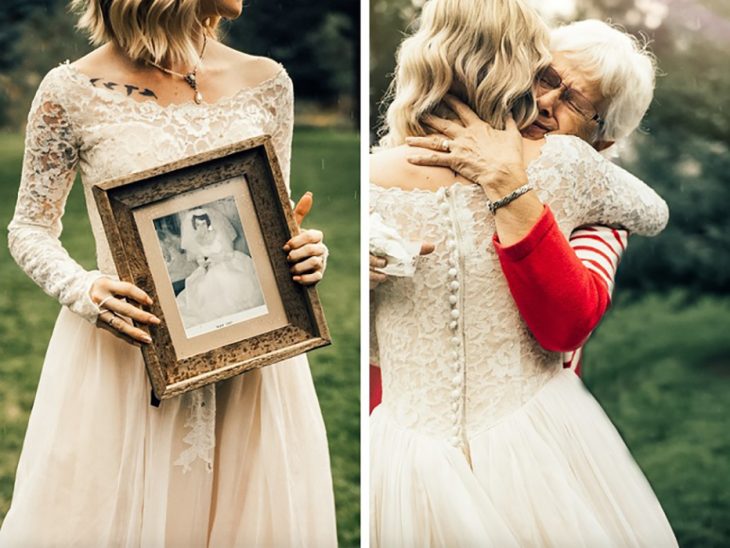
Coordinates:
[233,214]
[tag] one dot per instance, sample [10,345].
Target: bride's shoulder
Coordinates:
[102,59]
[65,83]
[58,78]
[389,167]
[250,70]
[572,149]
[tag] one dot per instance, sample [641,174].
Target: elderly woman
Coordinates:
[239,463]
[482,438]
[561,311]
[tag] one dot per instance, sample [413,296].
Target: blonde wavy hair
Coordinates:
[486,52]
[147,30]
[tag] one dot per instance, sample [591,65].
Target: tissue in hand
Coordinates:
[400,253]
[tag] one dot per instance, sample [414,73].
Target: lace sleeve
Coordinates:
[608,194]
[49,169]
[284,125]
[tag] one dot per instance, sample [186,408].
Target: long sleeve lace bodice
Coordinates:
[73,125]
[454,351]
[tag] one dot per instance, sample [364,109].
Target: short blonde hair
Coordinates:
[147,30]
[486,52]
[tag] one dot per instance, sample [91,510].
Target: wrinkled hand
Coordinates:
[117,313]
[475,150]
[306,252]
[376,263]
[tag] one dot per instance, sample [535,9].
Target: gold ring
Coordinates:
[446,145]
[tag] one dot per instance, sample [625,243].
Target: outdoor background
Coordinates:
[317,43]
[660,362]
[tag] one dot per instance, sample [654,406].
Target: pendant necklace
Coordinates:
[191,77]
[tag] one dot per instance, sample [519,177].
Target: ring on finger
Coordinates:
[446,145]
[104,300]
[113,319]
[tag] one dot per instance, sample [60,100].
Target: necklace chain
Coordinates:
[191,78]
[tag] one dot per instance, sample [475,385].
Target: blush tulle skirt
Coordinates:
[241,463]
[553,473]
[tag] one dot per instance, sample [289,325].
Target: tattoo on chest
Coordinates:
[130,89]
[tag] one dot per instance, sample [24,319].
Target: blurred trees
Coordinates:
[682,150]
[35,35]
[316,41]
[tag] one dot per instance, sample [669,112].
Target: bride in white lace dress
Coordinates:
[241,463]
[482,438]
[207,238]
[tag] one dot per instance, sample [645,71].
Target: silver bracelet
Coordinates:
[494,206]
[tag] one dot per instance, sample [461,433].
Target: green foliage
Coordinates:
[683,151]
[316,41]
[325,163]
[389,21]
[660,368]
[41,37]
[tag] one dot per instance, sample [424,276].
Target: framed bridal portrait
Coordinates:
[203,237]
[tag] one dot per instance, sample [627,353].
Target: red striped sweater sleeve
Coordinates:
[599,248]
[560,299]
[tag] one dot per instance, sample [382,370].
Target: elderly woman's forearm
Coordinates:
[560,299]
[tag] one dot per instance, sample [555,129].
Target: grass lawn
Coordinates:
[660,366]
[325,162]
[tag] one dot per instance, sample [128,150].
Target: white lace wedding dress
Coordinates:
[244,462]
[482,438]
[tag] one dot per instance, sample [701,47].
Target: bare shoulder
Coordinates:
[389,167]
[102,59]
[249,70]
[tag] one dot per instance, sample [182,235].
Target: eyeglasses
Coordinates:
[549,80]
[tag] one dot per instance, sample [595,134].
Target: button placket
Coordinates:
[455,340]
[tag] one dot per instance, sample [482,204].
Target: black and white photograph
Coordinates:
[210,267]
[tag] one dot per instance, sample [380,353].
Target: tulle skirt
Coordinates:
[553,473]
[101,467]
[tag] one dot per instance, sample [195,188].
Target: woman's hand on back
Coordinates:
[472,148]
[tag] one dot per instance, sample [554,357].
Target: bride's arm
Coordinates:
[606,194]
[49,168]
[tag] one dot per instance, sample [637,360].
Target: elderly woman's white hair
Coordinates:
[618,63]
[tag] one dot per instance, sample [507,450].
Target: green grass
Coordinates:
[325,162]
[660,367]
